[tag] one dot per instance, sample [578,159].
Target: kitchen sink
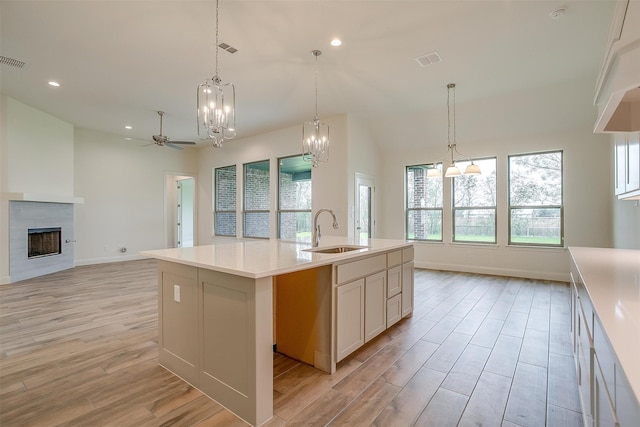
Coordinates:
[336,249]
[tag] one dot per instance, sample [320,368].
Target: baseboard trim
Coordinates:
[107,260]
[492,271]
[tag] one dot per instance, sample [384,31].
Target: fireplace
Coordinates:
[44,242]
[40,238]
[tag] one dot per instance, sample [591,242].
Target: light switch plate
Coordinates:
[176,293]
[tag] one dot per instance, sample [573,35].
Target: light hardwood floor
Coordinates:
[79,348]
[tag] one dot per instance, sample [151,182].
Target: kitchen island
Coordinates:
[218,304]
[605,326]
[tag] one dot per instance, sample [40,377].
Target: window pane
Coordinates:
[256,186]
[294,184]
[423,192]
[295,225]
[478,190]
[226,188]
[225,223]
[256,224]
[541,226]
[424,224]
[474,225]
[535,179]
[225,201]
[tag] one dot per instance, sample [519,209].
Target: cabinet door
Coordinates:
[349,318]
[407,289]
[603,413]
[620,163]
[375,306]
[633,162]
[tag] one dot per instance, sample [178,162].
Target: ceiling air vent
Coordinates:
[14,63]
[227,47]
[428,59]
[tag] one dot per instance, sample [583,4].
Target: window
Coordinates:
[424,204]
[294,198]
[225,201]
[535,199]
[474,204]
[256,199]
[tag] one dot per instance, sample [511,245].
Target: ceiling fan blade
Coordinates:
[170,144]
[183,142]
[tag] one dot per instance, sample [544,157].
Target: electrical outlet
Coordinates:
[176,293]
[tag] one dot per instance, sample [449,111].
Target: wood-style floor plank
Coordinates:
[79,348]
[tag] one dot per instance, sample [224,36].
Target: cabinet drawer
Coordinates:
[394,310]
[361,268]
[394,281]
[407,254]
[394,258]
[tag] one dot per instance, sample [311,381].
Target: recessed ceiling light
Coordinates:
[128,127]
[52,83]
[336,42]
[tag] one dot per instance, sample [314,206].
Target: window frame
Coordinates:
[494,208]
[280,211]
[408,210]
[511,207]
[246,211]
[216,211]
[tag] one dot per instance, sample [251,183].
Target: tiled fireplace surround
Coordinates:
[24,215]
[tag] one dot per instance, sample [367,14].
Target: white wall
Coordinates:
[123,185]
[587,182]
[364,158]
[329,179]
[36,157]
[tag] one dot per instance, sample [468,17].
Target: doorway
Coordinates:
[364,207]
[180,211]
[184,223]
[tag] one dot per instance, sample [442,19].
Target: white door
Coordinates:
[185,213]
[364,209]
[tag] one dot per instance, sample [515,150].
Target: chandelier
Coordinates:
[216,112]
[315,134]
[452,150]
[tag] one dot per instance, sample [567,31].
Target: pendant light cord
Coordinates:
[217,25]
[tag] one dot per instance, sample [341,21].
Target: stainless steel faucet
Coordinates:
[315,239]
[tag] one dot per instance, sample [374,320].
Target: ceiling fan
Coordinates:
[163,140]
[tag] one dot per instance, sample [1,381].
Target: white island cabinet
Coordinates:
[605,325]
[223,308]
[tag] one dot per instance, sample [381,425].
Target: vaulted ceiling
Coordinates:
[118,62]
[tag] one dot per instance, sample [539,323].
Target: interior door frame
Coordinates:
[367,181]
[170,195]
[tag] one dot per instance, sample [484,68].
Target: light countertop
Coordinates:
[262,258]
[612,279]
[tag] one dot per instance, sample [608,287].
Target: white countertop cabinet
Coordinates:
[605,326]
[222,306]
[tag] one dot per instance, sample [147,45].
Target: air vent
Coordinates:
[14,63]
[227,47]
[428,59]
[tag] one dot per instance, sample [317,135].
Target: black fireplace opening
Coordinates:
[44,242]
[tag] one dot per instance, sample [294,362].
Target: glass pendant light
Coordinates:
[452,170]
[315,134]
[216,112]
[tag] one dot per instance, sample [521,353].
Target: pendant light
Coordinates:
[452,170]
[315,134]
[216,112]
